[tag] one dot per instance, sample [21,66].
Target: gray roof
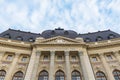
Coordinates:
[30,37]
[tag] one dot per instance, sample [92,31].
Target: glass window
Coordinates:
[99,38]
[100,76]
[24,59]
[76,75]
[59,75]
[45,57]
[94,59]
[9,57]
[2,74]
[116,74]
[73,58]
[59,57]
[18,76]
[43,75]
[109,57]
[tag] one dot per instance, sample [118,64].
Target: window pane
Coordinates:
[2,74]
[43,75]
[76,75]
[18,76]
[116,74]
[59,75]
[100,76]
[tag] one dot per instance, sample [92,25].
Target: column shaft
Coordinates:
[67,62]
[86,66]
[51,77]
[12,68]
[107,68]
[36,65]
[30,66]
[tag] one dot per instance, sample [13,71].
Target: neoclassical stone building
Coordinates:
[59,55]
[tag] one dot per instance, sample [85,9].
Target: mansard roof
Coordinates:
[30,37]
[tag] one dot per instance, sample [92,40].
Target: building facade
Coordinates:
[59,55]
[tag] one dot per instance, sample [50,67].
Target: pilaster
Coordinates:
[52,57]
[86,66]
[36,65]
[67,62]
[12,67]
[106,66]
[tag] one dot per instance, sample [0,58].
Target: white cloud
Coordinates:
[80,15]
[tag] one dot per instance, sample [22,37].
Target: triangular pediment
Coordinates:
[59,40]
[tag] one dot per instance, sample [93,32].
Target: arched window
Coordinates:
[116,74]
[18,76]
[99,38]
[76,75]
[100,76]
[43,75]
[59,75]
[2,74]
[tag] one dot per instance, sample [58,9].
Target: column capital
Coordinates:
[67,53]
[52,53]
[80,53]
[38,53]
[100,54]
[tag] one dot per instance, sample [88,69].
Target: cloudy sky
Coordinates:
[80,15]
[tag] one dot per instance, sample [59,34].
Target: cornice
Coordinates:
[104,43]
[14,43]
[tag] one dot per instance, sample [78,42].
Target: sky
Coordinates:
[82,16]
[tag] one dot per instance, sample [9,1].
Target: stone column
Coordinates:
[1,55]
[117,55]
[12,67]
[107,67]
[36,65]
[67,63]
[86,66]
[52,56]
[30,66]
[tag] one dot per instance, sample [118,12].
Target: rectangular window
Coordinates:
[94,59]
[59,57]
[45,57]
[9,57]
[109,57]
[73,58]
[24,59]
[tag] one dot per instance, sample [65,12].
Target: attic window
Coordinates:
[31,40]
[66,33]
[111,36]
[19,38]
[7,36]
[87,40]
[52,32]
[99,38]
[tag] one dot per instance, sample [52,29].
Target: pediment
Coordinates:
[59,40]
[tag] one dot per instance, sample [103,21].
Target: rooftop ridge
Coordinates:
[24,31]
[95,32]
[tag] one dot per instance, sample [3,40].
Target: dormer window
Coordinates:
[19,38]
[66,33]
[7,36]
[99,38]
[31,40]
[87,40]
[52,32]
[111,36]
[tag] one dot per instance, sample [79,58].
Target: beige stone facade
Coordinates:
[59,54]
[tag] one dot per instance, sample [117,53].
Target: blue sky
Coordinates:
[79,15]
